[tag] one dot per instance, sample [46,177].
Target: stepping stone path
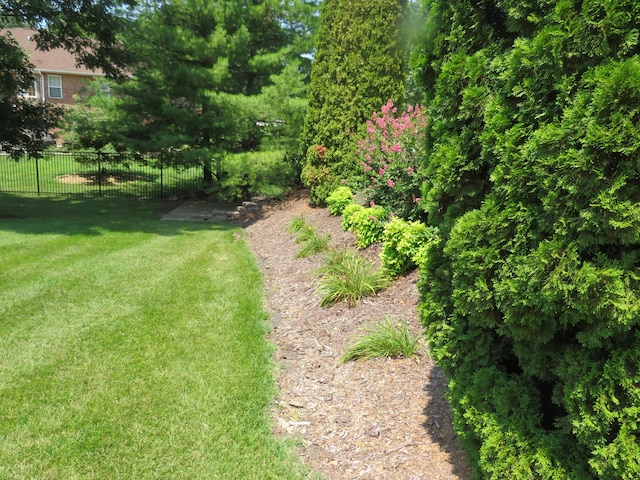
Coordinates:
[215,211]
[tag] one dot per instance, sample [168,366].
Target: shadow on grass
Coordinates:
[94,216]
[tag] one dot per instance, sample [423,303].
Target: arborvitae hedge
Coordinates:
[358,66]
[532,296]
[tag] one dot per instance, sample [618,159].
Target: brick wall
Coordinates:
[71,85]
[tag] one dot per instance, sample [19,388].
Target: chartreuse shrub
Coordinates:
[404,244]
[531,294]
[339,199]
[367,223]
[384,339]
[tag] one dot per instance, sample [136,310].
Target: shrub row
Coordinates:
[531,296]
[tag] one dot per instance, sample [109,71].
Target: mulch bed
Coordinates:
[374,419]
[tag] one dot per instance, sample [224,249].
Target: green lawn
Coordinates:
[131,348]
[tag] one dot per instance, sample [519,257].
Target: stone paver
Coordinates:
[201,210]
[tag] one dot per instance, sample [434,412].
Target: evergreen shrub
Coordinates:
[358,65]
[531,294]
[318,177]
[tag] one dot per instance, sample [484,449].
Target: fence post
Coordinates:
[99,176]
[37,175]
[161,179]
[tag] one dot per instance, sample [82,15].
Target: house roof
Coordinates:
[57,60]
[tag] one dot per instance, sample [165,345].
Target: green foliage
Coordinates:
[384,339]
[245,175]
[349,213]
[404,244]
[89,124]
[23,122]
[212,80]
[90,33]
[296,225]
[367,223]
[312,242]
[318,177]
[530,296]
[390,151]
[339,199]
[348,276]
[358,66]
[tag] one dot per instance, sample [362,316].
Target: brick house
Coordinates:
[58,77]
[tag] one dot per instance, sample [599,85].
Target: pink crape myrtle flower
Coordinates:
[389,146]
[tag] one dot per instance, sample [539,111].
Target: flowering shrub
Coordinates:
[367,223]
[390,152]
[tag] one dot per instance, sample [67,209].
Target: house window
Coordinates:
[31,91]
[55,86]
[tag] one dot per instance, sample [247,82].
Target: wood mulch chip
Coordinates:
[373,419]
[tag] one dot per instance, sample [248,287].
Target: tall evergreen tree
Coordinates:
[202,67]
[531,297]
[358,66]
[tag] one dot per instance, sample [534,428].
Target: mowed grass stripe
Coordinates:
[150,363]
[60,305]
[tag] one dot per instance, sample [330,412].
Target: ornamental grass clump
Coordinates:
[384,339]
[311,241]
[296,225]
[348,276]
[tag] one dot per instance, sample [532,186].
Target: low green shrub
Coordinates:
[244,175]
[339,199]
[366,222]
[348,214]
[402,244]
[384,339]
[348,276]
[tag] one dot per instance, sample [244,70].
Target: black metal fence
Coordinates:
[96,174]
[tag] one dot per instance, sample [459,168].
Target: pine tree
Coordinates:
[202,68]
